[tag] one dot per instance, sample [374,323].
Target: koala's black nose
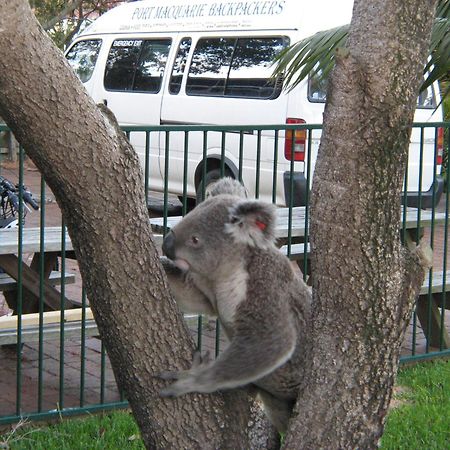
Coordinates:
[168,246]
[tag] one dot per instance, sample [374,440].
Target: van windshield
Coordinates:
[83,56]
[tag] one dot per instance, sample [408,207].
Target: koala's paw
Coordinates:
[169,266]
[185,378]
[180,387]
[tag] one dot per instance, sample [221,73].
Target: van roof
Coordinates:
[308,16]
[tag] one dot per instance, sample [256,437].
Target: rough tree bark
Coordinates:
[364,281]
[95,176]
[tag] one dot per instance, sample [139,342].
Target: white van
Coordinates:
[174,62]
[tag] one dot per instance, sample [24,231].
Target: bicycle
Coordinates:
[10,203]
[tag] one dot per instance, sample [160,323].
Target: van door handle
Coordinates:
[105,102]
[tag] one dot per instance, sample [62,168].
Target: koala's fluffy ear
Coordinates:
[253,222]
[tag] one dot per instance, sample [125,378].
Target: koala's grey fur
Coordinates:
[226,185]
[222,260]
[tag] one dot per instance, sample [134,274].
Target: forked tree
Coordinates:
[365,281]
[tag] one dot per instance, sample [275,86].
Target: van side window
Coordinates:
[235,67]
[251,68]
[179,66]
[83,56]
[210,66]
[136,65]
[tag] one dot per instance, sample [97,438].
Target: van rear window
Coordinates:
[136,65]
[235,67]
[317,93]
[83,56]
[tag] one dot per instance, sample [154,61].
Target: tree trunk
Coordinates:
[96,178]
[365,282]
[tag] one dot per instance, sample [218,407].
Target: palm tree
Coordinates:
[314,55]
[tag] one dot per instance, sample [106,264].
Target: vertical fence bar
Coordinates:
[83,346]
[222,154]
[446,233]
[147,164]
[185,171]
[419,203]
[19,290]
[41,297]
[62,315]
[308,183]
[205,163]
[258,164]
[432,233]
[418,227]
[241,155]
[102,372]
[166,181]
[291,194]
[275,166]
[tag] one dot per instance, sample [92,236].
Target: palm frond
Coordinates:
[314,56]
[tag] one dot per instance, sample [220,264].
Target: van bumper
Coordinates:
[426,198]
[299,192]
[299,188]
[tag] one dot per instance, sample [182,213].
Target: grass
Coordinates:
[420,420]
[113,431]
[423,419]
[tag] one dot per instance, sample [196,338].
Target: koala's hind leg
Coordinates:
[277,410]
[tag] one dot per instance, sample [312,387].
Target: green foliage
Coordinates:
[315,55]
[63,19]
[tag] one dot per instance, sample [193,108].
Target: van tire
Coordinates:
[211,177]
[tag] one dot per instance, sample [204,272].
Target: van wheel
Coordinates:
[211,178]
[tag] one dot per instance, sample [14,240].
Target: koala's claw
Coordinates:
[180,387]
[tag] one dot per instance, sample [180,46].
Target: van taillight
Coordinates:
[440,146]
[295,141]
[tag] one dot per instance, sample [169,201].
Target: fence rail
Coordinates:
[53,364]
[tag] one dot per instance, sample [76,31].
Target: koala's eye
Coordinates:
[194,240]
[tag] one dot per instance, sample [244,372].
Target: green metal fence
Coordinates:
[54,366]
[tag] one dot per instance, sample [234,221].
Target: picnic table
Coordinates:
[30,274]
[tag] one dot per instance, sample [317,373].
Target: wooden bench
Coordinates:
[51,327]
[8,283]
[430,312]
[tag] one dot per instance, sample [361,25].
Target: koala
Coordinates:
[221,260]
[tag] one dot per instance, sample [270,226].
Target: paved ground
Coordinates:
[98,384]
